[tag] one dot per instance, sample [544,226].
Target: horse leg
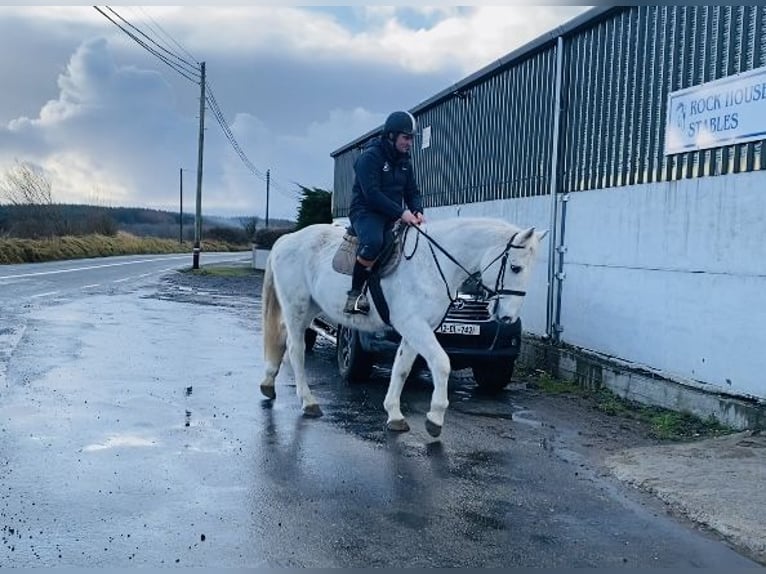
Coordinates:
[296,349]
[405,357]
[439,365]
[274,351]
[274,334]
[422,339]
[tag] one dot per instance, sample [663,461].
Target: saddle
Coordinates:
[345,257]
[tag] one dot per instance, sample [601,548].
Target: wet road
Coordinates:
[132,434]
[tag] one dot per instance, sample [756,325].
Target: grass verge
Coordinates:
[663,423]
[14,250]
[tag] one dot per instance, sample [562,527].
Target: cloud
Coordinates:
[111,123]
[109,129]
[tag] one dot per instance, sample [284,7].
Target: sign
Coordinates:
[426,138]
[728,111]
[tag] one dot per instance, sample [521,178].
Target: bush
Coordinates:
[267,236]
[228,235]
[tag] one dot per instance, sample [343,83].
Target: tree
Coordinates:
[26,184]
[315,207]
[27,187]
[250,225]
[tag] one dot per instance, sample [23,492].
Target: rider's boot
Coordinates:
[356,301]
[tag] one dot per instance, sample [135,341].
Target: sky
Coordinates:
[110,124]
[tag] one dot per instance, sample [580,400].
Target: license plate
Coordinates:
[458,329]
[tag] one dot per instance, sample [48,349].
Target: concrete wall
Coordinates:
[533,211]
[677,273]
[669,278]
[259,258]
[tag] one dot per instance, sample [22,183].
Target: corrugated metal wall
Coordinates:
[493,138]
[617,77]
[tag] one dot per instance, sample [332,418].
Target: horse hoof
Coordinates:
[312,411]
[268,391]
[398,425]
[433,429]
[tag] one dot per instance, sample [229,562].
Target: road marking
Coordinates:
[218,258]
[49,293]
[86,268]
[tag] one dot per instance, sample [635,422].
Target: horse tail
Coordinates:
[274,333]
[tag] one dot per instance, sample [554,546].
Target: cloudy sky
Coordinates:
[110,124]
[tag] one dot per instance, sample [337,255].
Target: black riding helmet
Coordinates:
[400,123]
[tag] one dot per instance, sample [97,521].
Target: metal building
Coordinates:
[654,282]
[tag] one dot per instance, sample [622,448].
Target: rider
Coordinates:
[384,191]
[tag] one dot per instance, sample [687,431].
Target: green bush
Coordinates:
[228,235]
[266,236]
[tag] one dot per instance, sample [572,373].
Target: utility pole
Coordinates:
[268,179]
[198,215]
[181,206]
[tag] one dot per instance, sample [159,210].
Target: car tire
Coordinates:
[309,338]
[354,363]
[494,375]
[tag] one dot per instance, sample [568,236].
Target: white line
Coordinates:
[123,279]
[91,286]
[49,293]
[37,274]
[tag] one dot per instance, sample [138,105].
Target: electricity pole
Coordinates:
[268,179]
[198,215]
[181,206]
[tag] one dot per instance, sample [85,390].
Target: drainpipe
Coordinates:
[553,311]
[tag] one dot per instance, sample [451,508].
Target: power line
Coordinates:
[193,67]
[168,36]
[191,76]
[192,73]
[219,117]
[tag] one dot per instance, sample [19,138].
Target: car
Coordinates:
[469,334]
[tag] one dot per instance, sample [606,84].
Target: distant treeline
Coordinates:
[59,220]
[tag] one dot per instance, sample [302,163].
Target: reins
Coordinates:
[493,293]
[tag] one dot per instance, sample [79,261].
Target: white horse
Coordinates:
[300,282]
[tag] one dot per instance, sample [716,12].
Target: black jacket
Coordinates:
[384,182]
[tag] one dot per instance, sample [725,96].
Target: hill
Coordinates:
[29,221]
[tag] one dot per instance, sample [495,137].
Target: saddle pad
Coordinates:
[345,257]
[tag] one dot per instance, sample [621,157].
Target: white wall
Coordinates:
[667,276]
[672,276]
[527,212]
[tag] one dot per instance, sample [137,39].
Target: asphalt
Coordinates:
[716,482]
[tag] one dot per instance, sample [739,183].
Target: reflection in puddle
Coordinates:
[524,417]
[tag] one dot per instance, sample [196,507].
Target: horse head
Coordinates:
[506,269]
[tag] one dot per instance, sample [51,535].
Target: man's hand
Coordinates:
[411,219]
[421,217]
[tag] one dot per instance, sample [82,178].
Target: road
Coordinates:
[58,278]
[132,434]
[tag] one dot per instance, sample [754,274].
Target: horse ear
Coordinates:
[525,235]
[541,235]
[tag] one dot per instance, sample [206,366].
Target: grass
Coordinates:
[663,423]
[14,250]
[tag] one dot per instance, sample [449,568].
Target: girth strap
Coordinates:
[373,285]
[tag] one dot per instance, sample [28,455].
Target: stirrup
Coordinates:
[356,303]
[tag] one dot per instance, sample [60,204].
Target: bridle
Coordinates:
[495,293]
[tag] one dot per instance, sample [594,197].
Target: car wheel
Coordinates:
[493,375]
[309,338]
[354,363]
